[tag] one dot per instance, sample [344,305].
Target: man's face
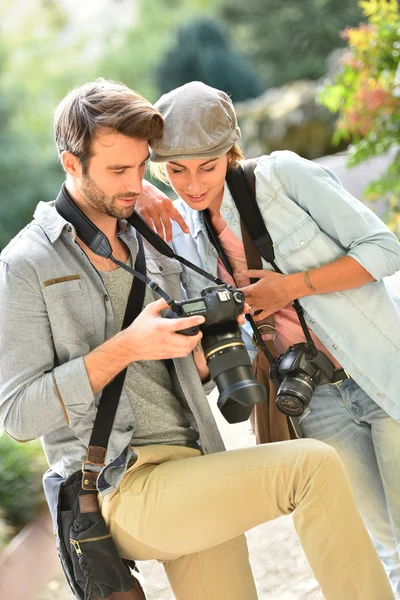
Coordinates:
[114,174]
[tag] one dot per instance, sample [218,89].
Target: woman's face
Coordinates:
[199,182]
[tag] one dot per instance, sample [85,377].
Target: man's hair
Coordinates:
[102,104]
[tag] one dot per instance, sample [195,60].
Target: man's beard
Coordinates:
[103,203]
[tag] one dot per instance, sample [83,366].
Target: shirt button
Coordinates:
[334,347]
[69,228]
[312,321]
[379,394]
[160,267]
[106,298]
[302,243]
[129,428]
[358,371]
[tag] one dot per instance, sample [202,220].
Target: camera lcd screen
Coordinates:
[194,307]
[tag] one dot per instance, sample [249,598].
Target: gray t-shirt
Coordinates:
[159,415]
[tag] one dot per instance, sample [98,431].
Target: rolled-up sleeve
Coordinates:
[37,395]
[337,213]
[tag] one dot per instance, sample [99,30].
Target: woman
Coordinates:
[333,253]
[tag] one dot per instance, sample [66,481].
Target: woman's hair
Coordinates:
[107,105]
[157,170]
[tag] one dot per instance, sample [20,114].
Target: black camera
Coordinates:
[296,374]
[224,350]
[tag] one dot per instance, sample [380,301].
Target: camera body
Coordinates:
[224,349]
[220,306]
[296,374]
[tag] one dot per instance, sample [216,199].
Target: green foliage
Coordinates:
[40,60]
[133,56]
[289,40]
[21,470]
[366,96]
[202,52]
[36,70]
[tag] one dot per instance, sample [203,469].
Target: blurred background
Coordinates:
[319,77]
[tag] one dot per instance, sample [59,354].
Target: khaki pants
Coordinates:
[190,511]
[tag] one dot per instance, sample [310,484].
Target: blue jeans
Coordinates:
[368,441]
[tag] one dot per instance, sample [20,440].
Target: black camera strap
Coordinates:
[98,242]
[216,243]
[242,186]
[225,261]
[162,247]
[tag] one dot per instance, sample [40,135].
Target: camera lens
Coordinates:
[294,394]
[230,368]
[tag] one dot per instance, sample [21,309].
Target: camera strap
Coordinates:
[242,186]
[225,261]
[99,244]
[163,248]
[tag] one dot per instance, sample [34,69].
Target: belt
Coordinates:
[338,376]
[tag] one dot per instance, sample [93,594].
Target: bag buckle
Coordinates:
[89,479]
[92,466]
[268,329]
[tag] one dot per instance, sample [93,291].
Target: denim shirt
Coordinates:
[55,310]
[313,221]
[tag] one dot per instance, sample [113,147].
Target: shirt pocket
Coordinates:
[306,246]
[69,309]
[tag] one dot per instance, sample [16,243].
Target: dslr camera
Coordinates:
[224,349]
[296,374]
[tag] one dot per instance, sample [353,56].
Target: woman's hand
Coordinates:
[158,210]
[269,294]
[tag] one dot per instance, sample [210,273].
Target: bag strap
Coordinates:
[111,393]
[241,183]
[252,254]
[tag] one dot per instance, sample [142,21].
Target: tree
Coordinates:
[366,96]
[202,52]
[37,67]
[289,40]
[133,55]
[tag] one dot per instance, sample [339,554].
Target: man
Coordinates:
[168,492]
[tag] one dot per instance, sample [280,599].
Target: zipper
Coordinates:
[77,547]
[76,543]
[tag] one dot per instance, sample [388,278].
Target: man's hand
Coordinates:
[158,211]
[152,337]
[269,294]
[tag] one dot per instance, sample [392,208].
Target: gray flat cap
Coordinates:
[200,122]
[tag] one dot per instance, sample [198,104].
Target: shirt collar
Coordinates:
[51,221]
[53,224]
